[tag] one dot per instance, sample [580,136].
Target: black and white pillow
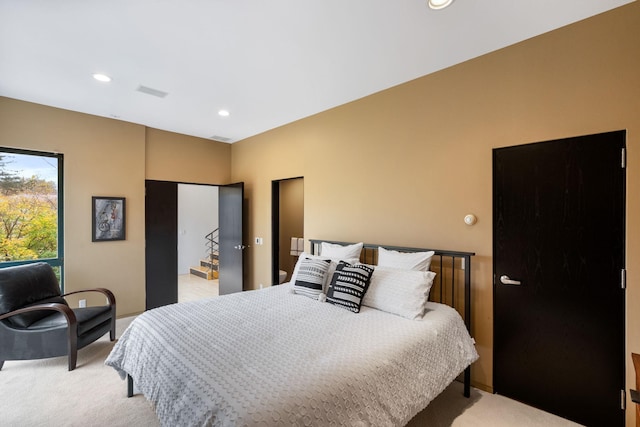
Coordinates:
[311,276]
[348,285]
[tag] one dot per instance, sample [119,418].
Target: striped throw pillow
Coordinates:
[311,277]
[348,285]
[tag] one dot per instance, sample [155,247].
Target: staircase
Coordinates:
[208,268]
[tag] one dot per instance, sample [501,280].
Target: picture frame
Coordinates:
[108,216]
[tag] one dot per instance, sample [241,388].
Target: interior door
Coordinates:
[161,248]
[559,239]
[231,219]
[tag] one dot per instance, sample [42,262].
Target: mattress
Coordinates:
[271,357]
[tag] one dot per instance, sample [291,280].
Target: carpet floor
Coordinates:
[43,393]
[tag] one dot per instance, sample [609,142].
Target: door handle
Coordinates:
[239,247]
[506,281]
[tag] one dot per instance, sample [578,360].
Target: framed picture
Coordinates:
[107,221]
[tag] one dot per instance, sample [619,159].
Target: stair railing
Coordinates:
[212,247]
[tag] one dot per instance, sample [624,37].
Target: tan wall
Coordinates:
[106,157]
[181,158]
[405,165]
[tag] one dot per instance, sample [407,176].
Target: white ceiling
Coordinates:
[268,63]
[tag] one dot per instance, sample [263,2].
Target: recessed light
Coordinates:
[223,113]
[102,77]
[439,4]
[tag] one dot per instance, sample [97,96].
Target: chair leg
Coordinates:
[1,363]
[73,358]
[112,332]
[73,346]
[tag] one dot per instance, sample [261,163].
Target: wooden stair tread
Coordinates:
[204,272]
[209,265]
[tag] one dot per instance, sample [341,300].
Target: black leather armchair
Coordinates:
[36,321]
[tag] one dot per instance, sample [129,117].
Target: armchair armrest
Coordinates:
[64,309]
[110,297]
[112,303]
[72,322]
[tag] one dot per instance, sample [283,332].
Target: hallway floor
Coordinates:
[192,287]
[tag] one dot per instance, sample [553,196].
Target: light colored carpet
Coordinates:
[42,393]
[482,409]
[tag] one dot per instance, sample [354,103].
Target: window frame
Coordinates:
[59,260]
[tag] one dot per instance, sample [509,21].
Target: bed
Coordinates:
[278,357]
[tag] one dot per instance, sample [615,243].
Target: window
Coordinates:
[31,208]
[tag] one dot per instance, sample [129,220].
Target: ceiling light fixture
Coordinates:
[439,4]
[223,113]
[102,77]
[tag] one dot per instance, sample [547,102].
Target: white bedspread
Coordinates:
[270,357]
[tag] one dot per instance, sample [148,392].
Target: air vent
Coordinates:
[220,138]
[152,91]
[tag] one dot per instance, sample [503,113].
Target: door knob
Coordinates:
[239,247]
[506,281]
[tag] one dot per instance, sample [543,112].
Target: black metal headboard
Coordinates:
[444,263]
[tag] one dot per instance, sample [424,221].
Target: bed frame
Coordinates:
[443,291]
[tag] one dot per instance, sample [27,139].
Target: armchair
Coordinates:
[36,321]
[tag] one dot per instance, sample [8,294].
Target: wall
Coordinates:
[180,158]
[405,165]
[109,157]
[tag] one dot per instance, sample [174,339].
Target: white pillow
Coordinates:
[401,292]
[332,267]
[333,250]
[420,261]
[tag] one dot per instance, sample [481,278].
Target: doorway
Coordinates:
[197,242]
[287,219]
[161,233]
[559,241]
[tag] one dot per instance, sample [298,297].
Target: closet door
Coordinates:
[559,241]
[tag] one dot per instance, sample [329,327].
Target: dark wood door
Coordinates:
[161,249]
[231,220]
[559,239]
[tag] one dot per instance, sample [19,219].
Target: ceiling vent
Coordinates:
[152,91]
[220,138]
